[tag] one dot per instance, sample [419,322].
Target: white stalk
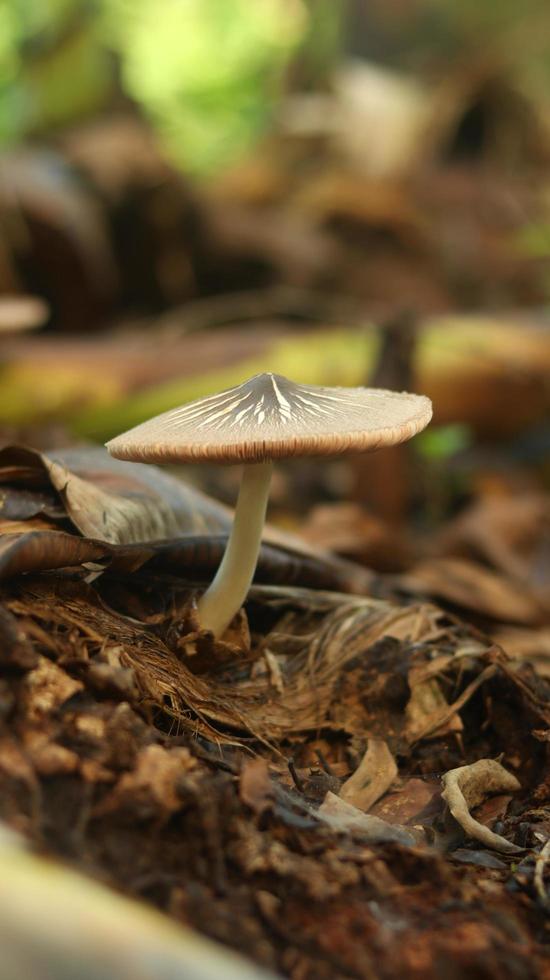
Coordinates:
[225,596]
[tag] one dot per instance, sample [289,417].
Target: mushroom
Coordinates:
[265,418]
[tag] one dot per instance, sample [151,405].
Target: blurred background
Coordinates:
[354,192]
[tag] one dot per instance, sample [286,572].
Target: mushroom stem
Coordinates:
[229,589]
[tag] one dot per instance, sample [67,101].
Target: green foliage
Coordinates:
[534,239]
[209,73]
[9,68]
[321,47]
[40,21]
[206,71]
[443,441]
[52,68]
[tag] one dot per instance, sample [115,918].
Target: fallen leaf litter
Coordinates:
[166,774]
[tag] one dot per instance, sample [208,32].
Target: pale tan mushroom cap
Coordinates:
[270,417]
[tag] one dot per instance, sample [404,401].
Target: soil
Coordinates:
[112,761]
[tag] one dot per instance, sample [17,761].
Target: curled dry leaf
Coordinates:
[129,514]
[36,551]
[18,504]
[372,778]
[128,503]
[466,787]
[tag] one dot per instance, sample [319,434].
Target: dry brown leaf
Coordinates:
[129,503]
[124,507]
[36,551]
[466,787]
[107,499]
[351,531]
[530,645]
[511,533]
[437,720]
[373,777]
[19,504]
[417,801]
[322,642]
[469,585]
[346,818]
[427,709]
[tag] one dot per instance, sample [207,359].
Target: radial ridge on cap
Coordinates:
[270,417]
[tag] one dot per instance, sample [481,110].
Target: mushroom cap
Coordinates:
[270,417]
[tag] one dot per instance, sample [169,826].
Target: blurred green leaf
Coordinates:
[444,441]
[52,67]
[534,239]
[206,71]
